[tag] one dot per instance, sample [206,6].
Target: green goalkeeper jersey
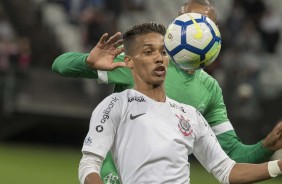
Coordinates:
[199,90]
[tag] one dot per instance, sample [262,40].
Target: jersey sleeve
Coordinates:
[103,125]
[72,64]
[216,110]
[206,147]
[243,153]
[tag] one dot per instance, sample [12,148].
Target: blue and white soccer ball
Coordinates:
[192,41]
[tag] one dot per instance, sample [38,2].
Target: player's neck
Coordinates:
[156,93]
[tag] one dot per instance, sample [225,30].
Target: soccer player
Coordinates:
[150,135]
[195,88]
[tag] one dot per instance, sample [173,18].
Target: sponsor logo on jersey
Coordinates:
[184,126]
[132,117]
[136,98]
[177,107]
[99,128]
[106,114]
[110,179]
[107,111]
[88,140]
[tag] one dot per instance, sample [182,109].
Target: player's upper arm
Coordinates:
[216,110]
[72,64]
[206,147]
[104,122]
[89,163]
[222,170]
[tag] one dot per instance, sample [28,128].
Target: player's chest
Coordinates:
[159,123]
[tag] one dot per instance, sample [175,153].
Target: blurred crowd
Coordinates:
[95,17]
[15,51]
[15,59]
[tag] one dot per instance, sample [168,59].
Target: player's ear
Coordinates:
[128,61]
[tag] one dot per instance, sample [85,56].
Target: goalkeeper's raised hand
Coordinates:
[103,54]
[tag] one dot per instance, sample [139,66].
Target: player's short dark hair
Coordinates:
[140,29]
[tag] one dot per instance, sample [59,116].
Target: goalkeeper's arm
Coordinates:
[240,152]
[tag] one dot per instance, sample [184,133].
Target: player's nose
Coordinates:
[159,57]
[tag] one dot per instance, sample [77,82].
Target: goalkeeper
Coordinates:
[195,88]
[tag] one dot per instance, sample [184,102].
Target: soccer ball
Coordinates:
[192,41]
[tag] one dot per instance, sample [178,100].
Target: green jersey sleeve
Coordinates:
[120,76]
[215,110]
[240,152]
[72,64]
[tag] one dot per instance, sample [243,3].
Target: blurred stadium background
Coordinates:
[44,117]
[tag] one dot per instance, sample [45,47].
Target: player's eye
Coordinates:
[148,52]
[164,53]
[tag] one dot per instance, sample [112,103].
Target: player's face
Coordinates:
[201,9]
[149,62]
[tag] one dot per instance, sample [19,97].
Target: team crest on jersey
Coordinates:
[184,126]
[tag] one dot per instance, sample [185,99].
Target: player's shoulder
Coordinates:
[127,95]
[128,92]
[204,76]
[185,108]
[120,95]
[188,112]
[113,98]
[206,79]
